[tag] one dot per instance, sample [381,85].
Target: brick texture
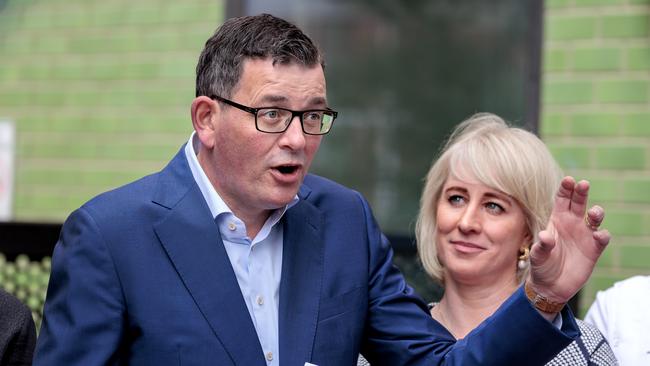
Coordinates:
[596,120]
[99,92]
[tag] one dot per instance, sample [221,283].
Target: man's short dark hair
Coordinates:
[260,36]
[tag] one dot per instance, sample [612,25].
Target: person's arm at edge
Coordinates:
[597,313]
[22,342]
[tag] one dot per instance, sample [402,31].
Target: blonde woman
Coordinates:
[489,209]
[485,203]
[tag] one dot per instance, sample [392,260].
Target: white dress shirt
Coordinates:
[257,262]
[622,314]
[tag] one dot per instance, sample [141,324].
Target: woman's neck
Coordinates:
[463,307]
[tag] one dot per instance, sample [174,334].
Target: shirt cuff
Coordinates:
[557,322]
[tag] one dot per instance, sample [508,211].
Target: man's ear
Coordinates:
[204,117]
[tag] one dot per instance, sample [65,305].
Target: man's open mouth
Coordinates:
[287,169]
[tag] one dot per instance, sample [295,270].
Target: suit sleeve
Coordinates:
[83,320]
[400,331]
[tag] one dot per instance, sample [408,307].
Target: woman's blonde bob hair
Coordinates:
[484,148]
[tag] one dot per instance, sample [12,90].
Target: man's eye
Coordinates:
[312,116]
[271,114]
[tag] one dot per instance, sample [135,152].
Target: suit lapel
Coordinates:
[302,272]
[191,239]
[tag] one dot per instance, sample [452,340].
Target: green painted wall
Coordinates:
[99,91]
[596,119]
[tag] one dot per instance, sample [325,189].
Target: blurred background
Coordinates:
[95,94]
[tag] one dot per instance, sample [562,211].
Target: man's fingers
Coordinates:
[563,195]
[579,198]
[595,217]
[546,241]
[602,238]
[541,250]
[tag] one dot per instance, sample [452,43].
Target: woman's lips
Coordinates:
[466,247]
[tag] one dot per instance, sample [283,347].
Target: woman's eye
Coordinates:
[456,199]
[494,207]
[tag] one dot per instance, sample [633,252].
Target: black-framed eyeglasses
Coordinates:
[277,120]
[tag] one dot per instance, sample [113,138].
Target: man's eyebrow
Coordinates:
[277,99]
[319,101]
[273,99]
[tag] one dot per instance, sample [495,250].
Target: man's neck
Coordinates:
[253,218]
[254,221]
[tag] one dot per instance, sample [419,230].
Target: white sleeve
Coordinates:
[597,314]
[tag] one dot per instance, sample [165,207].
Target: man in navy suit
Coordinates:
[234,255]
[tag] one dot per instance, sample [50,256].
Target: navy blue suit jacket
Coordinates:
[140,276]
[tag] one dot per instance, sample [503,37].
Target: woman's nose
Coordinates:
[470,220]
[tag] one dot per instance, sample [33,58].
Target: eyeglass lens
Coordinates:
[316,122]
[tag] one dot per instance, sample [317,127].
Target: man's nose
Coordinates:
[293,137]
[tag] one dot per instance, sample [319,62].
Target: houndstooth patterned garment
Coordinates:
[590,349]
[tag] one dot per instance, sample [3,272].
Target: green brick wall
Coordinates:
[99,91]
[596,119]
